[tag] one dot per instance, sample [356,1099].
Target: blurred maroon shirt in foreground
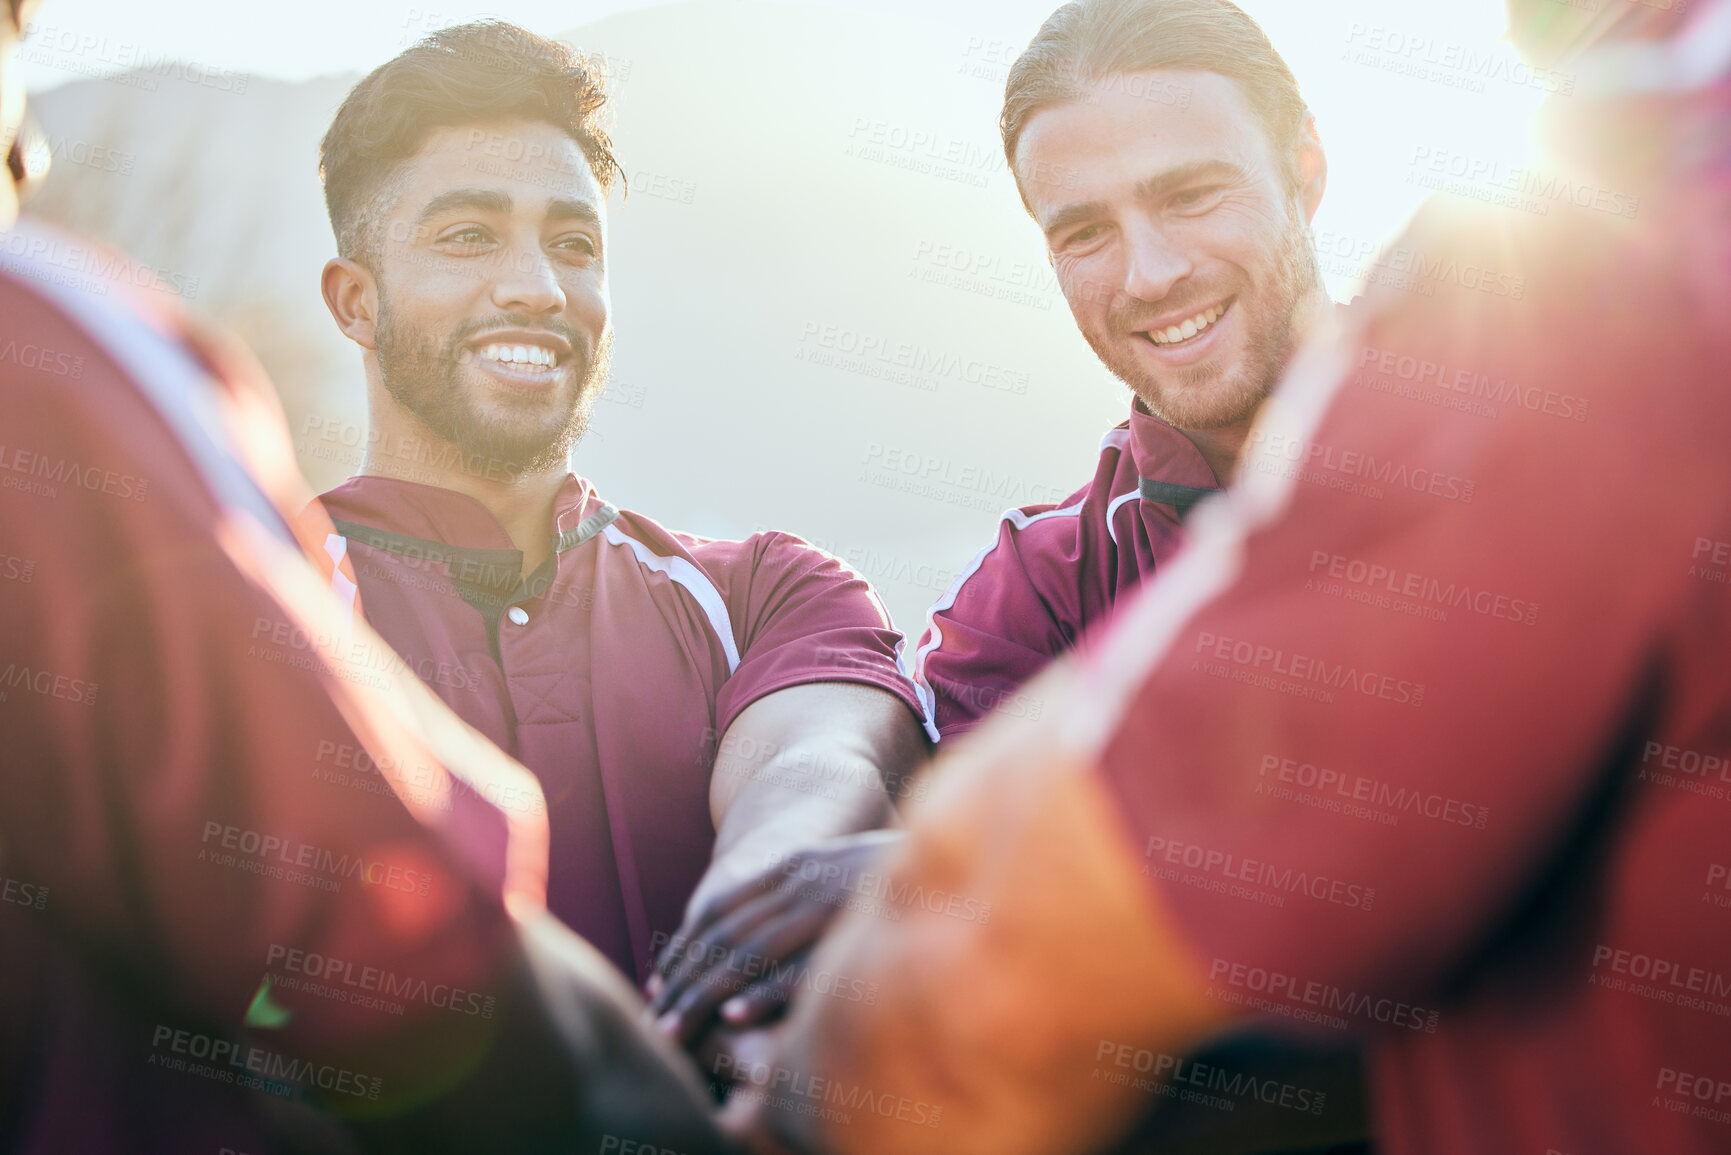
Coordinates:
[258,890]
[1429,733]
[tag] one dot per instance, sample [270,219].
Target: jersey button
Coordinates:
[518,615]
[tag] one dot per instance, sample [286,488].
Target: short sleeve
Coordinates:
[799,615]
[996,628]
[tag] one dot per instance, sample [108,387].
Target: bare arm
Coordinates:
[990,1030]
[797,770]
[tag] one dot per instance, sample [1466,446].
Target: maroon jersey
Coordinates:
[1427,735]
[254,881]
[1054,571]
[610,672]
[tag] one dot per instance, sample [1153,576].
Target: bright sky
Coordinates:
[1383,76]
[1408,96]
[311,37]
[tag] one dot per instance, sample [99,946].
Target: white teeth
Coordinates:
[520,355]
[1188,329]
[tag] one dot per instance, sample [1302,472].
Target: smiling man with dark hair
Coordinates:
[208,941]
[675,695]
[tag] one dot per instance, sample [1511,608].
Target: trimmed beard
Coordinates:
[1194,398]
[423,377]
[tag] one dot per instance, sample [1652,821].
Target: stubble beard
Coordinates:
[1199,397]
[425,378]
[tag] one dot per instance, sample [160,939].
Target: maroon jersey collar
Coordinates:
[1172,470]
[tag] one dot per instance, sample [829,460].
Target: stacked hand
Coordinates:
[745,949]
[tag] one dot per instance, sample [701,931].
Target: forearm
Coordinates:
[805,765]
[791,802]
[993,1010]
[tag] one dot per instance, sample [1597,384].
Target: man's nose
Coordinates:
[527,283]
[1153,263]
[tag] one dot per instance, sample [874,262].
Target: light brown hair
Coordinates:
[1088,41]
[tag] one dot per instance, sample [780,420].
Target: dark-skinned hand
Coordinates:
[743,953]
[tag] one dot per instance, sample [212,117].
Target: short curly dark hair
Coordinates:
[486,70]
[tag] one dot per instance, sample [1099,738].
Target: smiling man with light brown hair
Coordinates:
[1490,844]
[1164,151]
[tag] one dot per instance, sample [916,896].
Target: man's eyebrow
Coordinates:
[1073,214]
[483,200]
[1160,184]
[566,209]
[1152,188]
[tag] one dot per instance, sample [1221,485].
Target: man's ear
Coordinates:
[352,296]
[1312,170]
